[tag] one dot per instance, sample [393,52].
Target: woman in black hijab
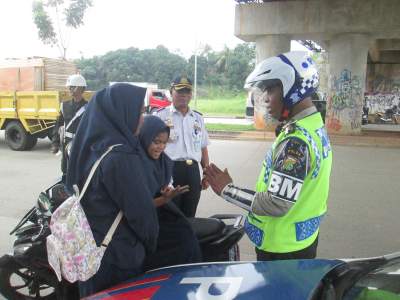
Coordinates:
[177,243]
[114,116]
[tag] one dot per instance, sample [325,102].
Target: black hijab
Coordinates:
[111,117]
[161,168]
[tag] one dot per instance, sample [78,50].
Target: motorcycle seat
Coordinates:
[207,229]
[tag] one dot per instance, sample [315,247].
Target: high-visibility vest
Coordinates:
[298,228]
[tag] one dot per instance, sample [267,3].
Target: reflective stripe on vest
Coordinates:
[77,115]
[69,135]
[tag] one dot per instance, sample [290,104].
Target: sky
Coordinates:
[180,25]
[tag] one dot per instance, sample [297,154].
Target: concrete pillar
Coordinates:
[271,45]
[347,65]
[267,46]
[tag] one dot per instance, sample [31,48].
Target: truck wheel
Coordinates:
[32,141]
[17,138]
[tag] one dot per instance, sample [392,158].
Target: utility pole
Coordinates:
[195,79]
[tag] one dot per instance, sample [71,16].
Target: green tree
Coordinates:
[48,16]
[240,64]
[133,65]
[223,70]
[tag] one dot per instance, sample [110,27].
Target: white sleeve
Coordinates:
[205,141]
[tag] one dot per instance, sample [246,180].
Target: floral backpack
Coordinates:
[71,249]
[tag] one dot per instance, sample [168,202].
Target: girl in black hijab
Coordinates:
[114,116]
[177,243]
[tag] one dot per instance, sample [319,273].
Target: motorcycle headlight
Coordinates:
[43,202]
[22,248]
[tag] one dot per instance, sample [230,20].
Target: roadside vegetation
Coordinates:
[229,127]
[220,102]
[220,75]
[226,69]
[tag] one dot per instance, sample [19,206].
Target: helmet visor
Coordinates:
[260,96]
[267,84]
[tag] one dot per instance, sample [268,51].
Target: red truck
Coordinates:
[155,98]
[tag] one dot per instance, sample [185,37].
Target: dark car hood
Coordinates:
[290,279]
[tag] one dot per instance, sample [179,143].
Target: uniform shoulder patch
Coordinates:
[294,158]
[198,112]
[160,109]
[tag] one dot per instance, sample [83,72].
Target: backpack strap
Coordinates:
[92,171]
[110,233]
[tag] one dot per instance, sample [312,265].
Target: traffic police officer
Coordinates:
[291,193]
[68,120]
[187,145]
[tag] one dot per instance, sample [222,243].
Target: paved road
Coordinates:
[363,207]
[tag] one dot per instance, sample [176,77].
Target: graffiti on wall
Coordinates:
[345,90]
[344,101]
[384,83]
[379,102]
[383,87]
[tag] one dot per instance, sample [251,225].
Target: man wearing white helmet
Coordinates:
[68,120]
[291,193]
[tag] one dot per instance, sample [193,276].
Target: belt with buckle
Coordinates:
[187,162]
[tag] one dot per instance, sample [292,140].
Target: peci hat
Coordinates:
[181,82]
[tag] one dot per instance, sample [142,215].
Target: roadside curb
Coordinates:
[369,139]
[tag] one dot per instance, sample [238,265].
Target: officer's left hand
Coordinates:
[204,184]
[217,178]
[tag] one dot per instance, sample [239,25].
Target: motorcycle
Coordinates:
[390,116]
[364,117]
[26,274]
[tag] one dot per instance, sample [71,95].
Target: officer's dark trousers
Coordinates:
[307,253]
[185,174]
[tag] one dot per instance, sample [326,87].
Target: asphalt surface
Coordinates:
[362,219]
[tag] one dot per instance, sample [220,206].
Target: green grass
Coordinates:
[221,107]
[229,127]
[219,102]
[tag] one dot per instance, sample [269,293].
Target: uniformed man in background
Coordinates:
[187,145]
[68,120]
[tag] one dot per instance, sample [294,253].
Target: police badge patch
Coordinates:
[293,159]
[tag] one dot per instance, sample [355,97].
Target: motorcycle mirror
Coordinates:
[43,202]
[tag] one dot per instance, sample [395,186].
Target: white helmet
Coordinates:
[295,70]
[76,80]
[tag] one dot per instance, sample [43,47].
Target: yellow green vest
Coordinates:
[299,228]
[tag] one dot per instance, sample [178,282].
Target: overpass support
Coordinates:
[271,45]
[348,65]
[346,27]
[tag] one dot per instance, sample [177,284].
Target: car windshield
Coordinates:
[380,283]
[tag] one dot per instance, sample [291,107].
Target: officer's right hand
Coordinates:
[54,149]
[217,178]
